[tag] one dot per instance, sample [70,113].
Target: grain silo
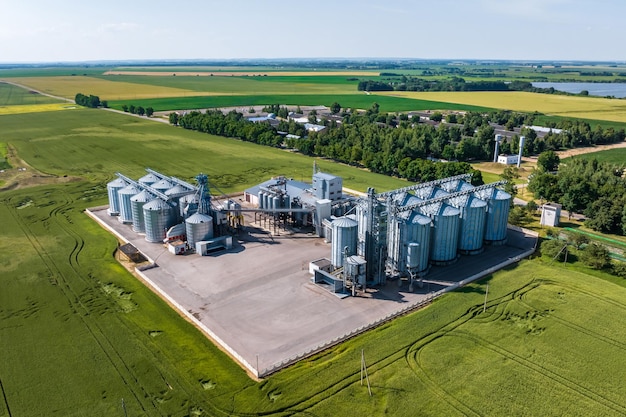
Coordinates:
[261,199]
[124,196]
[137,202]
[188,205]
[199,227]
[445,232]
[344,235]
[177,189]
[114,203]
[162,185]
[498,205]
[158,218]
[408,228]
[473,215]
[148,179]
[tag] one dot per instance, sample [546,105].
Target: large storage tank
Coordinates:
[158,218]
[405,229]
[344,235]
[162,185]
[114,203]
[473,215]
[124,196]
[148,179]
[498,205]
[188,205]
[445,232]
[199,227]
[136,203]
[175,201]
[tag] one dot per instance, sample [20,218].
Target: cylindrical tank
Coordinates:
[157,215]
[261,201]
[136,203]
[286,202]
[266,201]
[148,179]
[472,232]
[344,235]
[126,210]
[406,228]
[412,255]
[498,206]
[114,203]
[199,227]
[175,201]
[162,185]
[276,202]
[445,232]
[188,205]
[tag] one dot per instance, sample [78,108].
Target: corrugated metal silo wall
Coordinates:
[114,202]
[157,222]
[343,236]
[497,219]
[261,199]
[139,225]
[126,210]
[444,238]
[197,232]
[418,233]
[472,228]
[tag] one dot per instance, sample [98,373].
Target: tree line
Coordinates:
[89,101]
[132,109]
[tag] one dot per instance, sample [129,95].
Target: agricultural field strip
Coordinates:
[13,94]
[413,353]
[230,73]
[64,284]
[569,106]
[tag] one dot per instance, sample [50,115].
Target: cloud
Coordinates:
[118,27]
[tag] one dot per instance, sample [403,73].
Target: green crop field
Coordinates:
[358,101]
[615,156]
[11,95]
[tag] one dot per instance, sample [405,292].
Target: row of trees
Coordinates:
[89,101]
[597,189]
[404,83]
[132,109]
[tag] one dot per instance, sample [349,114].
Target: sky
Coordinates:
[86,30]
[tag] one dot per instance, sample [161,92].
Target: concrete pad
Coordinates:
[258,298]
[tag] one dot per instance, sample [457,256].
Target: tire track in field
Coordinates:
[6,401]
[542,370]
[76,305]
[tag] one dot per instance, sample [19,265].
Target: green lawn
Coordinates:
[615,156]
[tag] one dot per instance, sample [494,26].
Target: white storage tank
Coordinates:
[188,205]
[137,202]
[199,227]
[157,215]
[445,232]
[344,235]
[114,203]
[498,205]
[126,210]
[406,228]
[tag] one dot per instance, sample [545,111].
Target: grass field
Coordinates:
[11,95]
[64,86]
[4,163]
[358,101]
[557,105]
[613,156]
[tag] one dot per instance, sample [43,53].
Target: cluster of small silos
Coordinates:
[153,204]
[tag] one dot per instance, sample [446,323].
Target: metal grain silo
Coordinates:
[199,227]
[136,203]
[162,185]
[188,205]
[148,179]
[473,216]
[344,235]
[157,215]
[114,203]
[175,201]
[498,205]
[126,210]
[445,232]
[406,228]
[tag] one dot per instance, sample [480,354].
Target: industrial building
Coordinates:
[382,236]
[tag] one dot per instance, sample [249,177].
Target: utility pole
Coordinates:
[486,293]
[364,371]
